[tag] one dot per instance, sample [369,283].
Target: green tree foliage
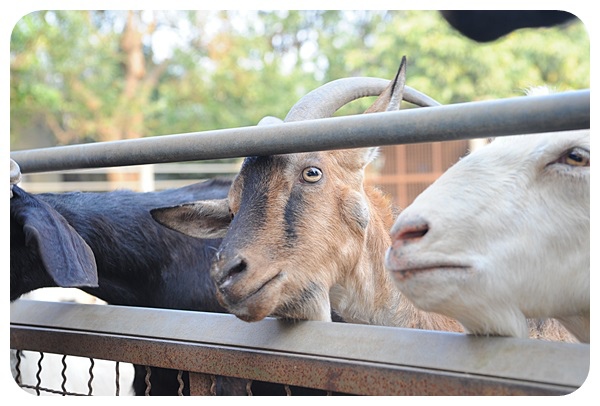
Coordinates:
[98,76]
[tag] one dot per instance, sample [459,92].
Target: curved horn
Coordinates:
[15,175]
[417,98]
[269,120]
[15,172]
[327,99]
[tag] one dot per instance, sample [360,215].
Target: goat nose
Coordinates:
[409,230]
[231,269]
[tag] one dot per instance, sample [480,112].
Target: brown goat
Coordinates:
[302,234]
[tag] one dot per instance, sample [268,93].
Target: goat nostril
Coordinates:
[232,268]
[239,268]
[411,232]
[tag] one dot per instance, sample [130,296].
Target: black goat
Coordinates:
[489,25]
[139,262]
[60,240]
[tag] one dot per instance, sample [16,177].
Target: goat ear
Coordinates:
[66,256]
[356,159]
[201,219]
[391,98]
[368,155]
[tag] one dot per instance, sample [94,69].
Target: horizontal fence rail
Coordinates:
[149,177]
[340,357]
[520,115]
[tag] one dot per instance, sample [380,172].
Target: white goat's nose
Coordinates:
[410,229]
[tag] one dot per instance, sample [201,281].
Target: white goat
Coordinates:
[503,235]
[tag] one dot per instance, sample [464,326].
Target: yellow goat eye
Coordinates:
[312,174]
[575,157]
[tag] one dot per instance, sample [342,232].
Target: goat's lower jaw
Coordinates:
[250,312]
[253,306]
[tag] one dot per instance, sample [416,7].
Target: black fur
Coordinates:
[294,210]
[139,262]
[489,25]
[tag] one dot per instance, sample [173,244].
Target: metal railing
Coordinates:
[336,357]
[520,115]
[148,177]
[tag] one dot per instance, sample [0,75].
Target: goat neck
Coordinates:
[366,293]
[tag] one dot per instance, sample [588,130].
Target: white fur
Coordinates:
[508,238]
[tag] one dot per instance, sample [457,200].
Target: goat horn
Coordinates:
[269,120]
[391,98]
[327,99]
[15,175]
[15,172]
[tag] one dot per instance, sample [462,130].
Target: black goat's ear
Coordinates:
[201,219]
[66,256]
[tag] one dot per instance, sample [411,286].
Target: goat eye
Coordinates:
[575,157]
[312,174]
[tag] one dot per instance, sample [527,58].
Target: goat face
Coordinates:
[292,224]
[289,212]
[289,225]
[504,234]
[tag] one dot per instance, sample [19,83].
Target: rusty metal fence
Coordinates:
[217,353]
[330,357]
